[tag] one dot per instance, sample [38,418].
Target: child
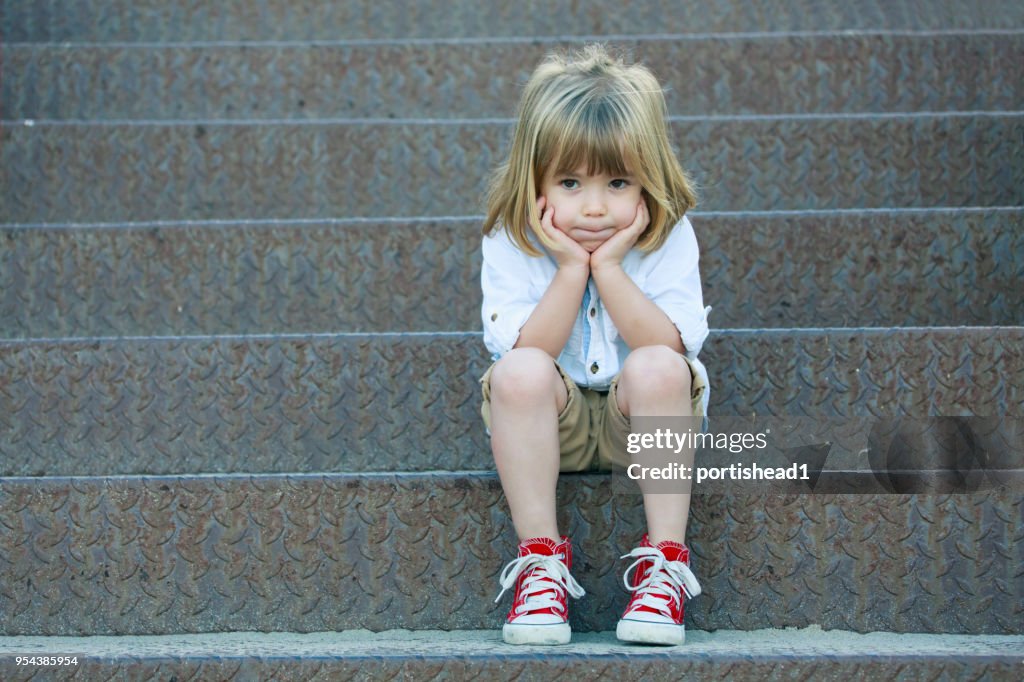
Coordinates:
[592,308]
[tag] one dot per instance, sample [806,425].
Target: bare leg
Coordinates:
[527,395]
[655,382]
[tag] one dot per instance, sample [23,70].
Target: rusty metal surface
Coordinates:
[941,268]
[94,172]
[154,20]
[296,553]
[411,402]
[551,666]
[245,404]
[873,269]
[878,372]
[480,654]
[739,74]
[238,279]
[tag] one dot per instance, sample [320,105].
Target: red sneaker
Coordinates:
[539,613]
[655,613]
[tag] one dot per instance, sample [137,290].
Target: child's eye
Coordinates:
[569,183]
[619,183]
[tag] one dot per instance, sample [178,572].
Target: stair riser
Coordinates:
[537,667]
[935,268]
[168,172]
[153,20]
[365,403]
[701,76]
[313,553]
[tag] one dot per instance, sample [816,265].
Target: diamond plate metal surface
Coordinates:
[153,20]
[379,403]
[729,75]
[918,372]
[244,279]
[849,270]
[829,270]
[76,173]
[247,404]
[326,552]
[480,654]
[542,667]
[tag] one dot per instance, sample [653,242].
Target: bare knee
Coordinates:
[653,373]
[524,376]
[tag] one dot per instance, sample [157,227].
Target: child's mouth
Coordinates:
[584,235]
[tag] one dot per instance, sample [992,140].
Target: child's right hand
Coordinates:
[567,252]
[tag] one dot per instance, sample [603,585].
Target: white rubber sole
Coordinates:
[643,632]
[555,633]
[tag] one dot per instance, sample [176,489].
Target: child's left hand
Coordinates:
[611,253]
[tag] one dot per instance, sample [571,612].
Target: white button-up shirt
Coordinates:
[513,283]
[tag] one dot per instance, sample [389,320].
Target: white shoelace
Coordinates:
[661,580]
[551,576]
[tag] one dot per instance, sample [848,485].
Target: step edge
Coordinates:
[768,644]
[1012,476]
[467,334]
[424,221]
[491,121]
[524,40]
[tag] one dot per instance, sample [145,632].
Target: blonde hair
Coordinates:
[589,107]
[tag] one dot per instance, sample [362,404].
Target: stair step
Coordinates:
[313,552]
[411,402]
[93,172]
[702,75]
[942,267]
[156,20]
[806,653]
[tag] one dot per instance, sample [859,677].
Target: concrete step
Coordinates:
[156,20]
[702,75]
[411,402]
[806,653]
[807,269]
[314,552]
[425,168]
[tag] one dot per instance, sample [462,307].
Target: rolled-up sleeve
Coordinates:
[508,298]
[673,283]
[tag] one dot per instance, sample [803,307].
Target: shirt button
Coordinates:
[494,317]
[593,311]
[594,368]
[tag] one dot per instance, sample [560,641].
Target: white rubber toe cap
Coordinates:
[515,633]
[641,632]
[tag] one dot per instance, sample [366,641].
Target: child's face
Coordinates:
[591,208]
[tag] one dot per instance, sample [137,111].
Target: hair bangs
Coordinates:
[594,135]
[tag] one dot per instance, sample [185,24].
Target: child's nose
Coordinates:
[594,205]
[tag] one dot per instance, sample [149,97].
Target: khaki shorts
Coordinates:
[592,431]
